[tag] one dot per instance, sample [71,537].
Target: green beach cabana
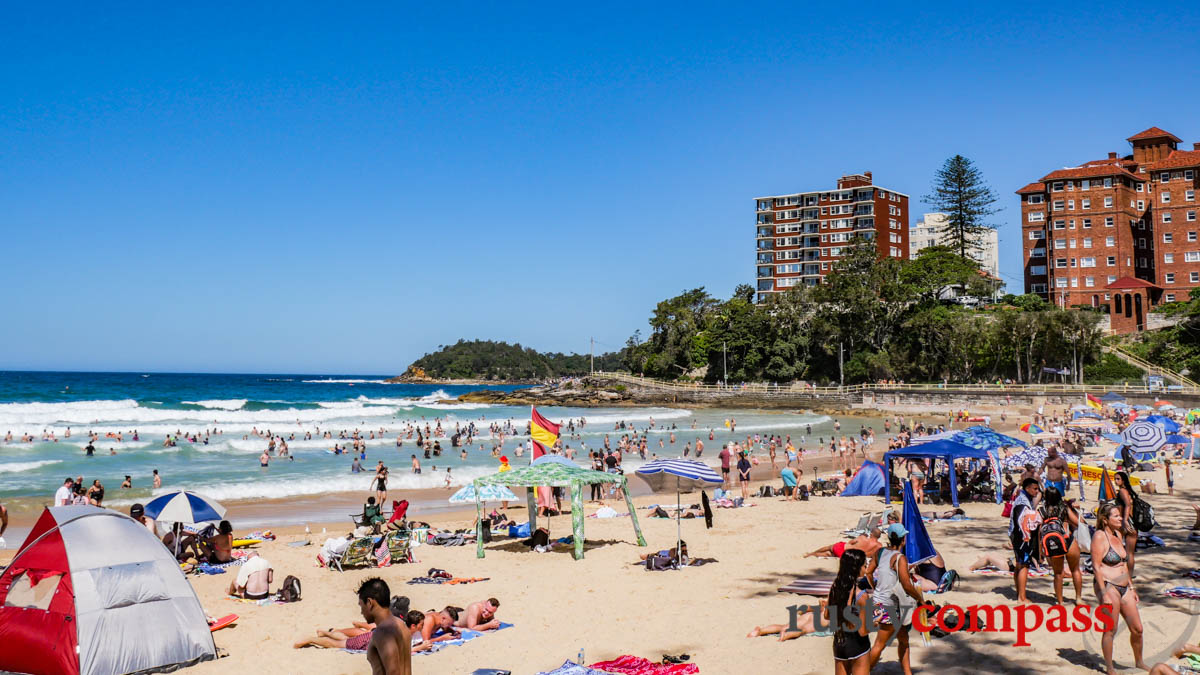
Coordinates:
[553,475]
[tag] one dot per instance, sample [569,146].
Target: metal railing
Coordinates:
[1150,368]
[769,389]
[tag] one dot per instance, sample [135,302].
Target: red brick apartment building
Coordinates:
[1120,231]
[801,235]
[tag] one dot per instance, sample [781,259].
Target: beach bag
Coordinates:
[657,563]
[765,491]
[290,591]
[803,492]
[1083,535]
[1143,515]
[1008,507]
[1053,538]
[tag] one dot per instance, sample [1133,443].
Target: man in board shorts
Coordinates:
[725,456]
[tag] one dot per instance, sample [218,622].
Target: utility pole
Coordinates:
[841,371]
[724,363]
[592,351]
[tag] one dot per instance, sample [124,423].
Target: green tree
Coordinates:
[960,192]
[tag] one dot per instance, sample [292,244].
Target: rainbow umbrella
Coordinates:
[1031,428]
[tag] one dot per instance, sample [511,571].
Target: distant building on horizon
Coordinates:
[800,235]
[1119,232]
[928,232]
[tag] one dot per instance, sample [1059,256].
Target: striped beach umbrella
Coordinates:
[184,507]
[487,493]
[682,475]
[1030,428]
[1144,437]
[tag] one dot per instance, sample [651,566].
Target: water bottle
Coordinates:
[580,661]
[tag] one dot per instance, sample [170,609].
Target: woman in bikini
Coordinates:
[1125,501]
[851,641]
[1113,584]
[916,473]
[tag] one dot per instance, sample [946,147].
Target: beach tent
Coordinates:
[1162,422]
[868,481]
[92,592]
[948,451]
[1112,396]
[918,547]
[553,474]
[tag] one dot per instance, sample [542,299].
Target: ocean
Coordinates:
[155,405]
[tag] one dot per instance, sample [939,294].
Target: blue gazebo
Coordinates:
[945,450]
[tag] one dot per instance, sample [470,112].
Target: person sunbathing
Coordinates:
[868,544]
[1165,669]
[181,544]
[670,555]
[440,621]
[254,578]
[805,624]
[219,547]
[358,637]
[480,616]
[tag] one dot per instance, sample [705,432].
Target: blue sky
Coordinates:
[309,188]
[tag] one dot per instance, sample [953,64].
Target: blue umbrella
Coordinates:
[1115,438]
[684,475]
[549,458]
[918,548]
[1086,413]
[184,507]
[488,493]
[1142,407]
[1165,423]
[1178,439]
[1112,396]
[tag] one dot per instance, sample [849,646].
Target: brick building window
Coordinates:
[1168,278]
[1108,221]
[1060,224]
[1087,262]
[1060,243]
[1191,216]
[1110,241]
[1036,199]
[1085,203]
[1060,262]
[1192,236]
[1194,277]
[1141,205]
[1090,282]
[1168,258]
[1166,216]
[1087,242]
[1037,234]
[1190,196]
[1191,256]
[1168,237]
[1056,186]
[1170,297]
[1112,261]
[1164,176]
[1058,205]
[1189,175]
[1108,202]
[1111,279]
[1166,197]
[1107,182]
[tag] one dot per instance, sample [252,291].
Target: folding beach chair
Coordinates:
[360,553]
[399,543]
[371,516]
[863,527]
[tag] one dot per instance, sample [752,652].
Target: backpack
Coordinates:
[803,492]
[1143,515]
[766,491]
[290,590]
[1053,538]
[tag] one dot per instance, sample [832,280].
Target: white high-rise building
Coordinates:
[925,233]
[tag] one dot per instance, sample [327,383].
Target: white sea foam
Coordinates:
[346,381]
[230,404]
[18,467]
[126,414]
[287,487]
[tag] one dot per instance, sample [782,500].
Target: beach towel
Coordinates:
[635,665]
[1194,574]
[817,586]
[571,668]
[991,571]
[466,636]
[1149,541]
[1189,592]
[269,600]
[442,580]
[218,568]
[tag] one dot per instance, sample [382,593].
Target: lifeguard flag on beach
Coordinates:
[543,433]
[1093,401]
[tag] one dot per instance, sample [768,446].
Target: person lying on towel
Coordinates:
[480,616]
[440,621]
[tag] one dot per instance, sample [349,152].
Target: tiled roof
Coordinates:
[1153,132]
[1175,160]
[1032,188]
[1090,172]
[1127,283]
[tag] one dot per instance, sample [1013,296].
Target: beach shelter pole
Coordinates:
[478,523]
[531,501]
[678,523]
[577,518]
[632,512]
[953,482]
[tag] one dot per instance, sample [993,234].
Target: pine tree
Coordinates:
[959,191]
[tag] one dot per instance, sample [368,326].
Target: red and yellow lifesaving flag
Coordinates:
[1093,401]
[543,433]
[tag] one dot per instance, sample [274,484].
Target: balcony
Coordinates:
[766,257]
[766,244]
[1037,253]
[764,272]
[766,285]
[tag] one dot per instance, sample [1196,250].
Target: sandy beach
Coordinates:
[606,605]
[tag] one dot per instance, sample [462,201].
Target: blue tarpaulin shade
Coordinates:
[945,450]
[1112,396]
[870,481]
[918,547]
